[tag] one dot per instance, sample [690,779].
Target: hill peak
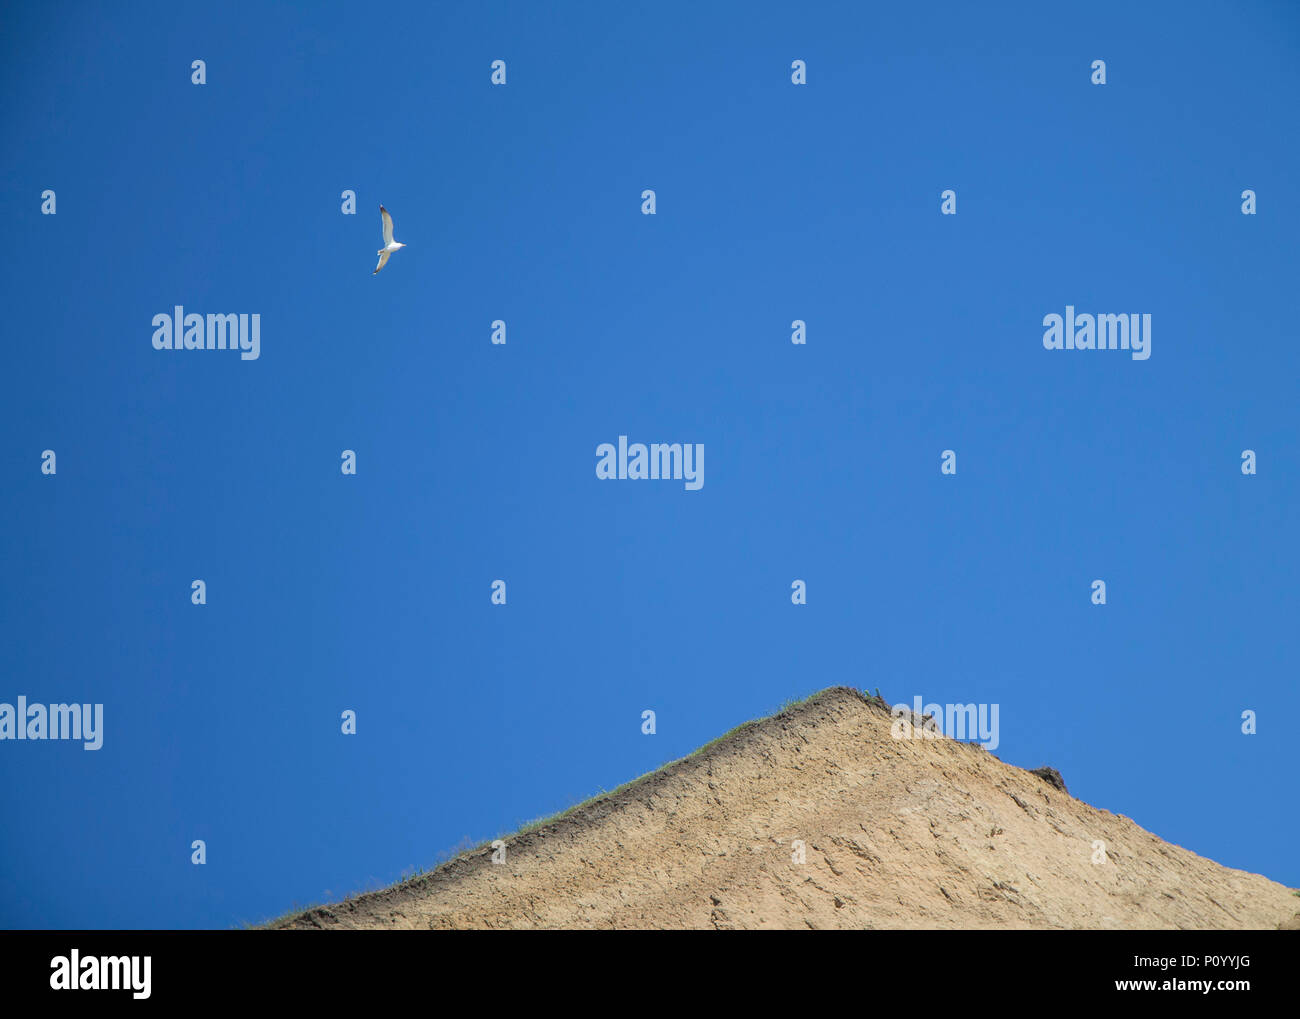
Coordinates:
[821,816]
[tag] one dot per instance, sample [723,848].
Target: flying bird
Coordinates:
[390,245]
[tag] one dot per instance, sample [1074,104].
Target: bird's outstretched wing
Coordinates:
[388,226]
[383,260]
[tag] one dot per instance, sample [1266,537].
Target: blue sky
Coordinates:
[476,461]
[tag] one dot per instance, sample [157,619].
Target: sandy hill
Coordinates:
[896,833]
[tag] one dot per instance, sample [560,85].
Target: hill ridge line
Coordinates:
[524,838]
[582,868]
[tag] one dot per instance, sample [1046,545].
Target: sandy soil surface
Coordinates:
[895,833]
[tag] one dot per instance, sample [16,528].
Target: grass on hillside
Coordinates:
[459,851]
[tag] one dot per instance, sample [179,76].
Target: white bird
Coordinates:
[390,245]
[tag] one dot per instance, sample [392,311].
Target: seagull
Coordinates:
[390,245]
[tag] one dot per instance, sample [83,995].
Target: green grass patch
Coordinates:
[465,848]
